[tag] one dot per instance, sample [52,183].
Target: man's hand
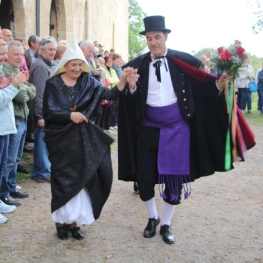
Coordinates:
[222,81]
[132,78]
[20,78]
[78,117]
[41,123]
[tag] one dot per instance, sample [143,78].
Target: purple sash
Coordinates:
[174,147]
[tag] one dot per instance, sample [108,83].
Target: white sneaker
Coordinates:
[18,187]
[109,131]
[3,219]
[112,129]
[6,208]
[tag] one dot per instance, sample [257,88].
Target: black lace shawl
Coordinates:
[79,153]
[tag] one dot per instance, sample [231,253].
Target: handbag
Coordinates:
[253,87]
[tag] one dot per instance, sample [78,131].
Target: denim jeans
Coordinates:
[260,100]
[4,141]
[41,166]
[244,97]
[15,151]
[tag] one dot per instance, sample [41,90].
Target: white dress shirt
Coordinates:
[160,93]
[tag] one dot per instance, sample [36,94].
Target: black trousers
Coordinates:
[147,170]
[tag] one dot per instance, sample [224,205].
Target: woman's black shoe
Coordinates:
[62,232]
[75,232]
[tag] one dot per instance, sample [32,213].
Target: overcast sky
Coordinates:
[198,24]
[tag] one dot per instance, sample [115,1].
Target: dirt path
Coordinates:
[221,222]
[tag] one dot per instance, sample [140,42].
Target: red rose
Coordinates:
[225,55]
[240,50]
[220,50]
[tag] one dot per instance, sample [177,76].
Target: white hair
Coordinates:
[44,41]
[85,43]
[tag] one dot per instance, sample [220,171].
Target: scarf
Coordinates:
[174,148]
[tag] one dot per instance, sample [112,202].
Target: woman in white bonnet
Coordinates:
[79,151]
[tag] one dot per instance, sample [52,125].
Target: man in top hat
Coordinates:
[172,126]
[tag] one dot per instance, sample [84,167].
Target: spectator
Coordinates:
[100,50]
[61,48]
[87,48]
[111,75]
[245,75]
[8,90]
[260,89]
[32,53]
[7,35]
[16,144]
[23,63]
[116,65]
[203,60]
[30,56]
[63,42]
[112,51]
[106,53]
[40,72]
[103,103]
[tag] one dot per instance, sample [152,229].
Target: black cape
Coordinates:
[199,103]
[79,153]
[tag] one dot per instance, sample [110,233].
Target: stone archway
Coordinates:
[57,19]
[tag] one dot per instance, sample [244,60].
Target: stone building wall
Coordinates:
[102,20]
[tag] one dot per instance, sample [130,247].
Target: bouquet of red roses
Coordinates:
[228,60]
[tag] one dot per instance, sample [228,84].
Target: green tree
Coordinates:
[137,42]
[258,27]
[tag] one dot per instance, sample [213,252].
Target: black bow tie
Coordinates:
[157,66]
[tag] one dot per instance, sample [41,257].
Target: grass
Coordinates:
[255,119]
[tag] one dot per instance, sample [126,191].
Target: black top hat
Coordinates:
[154,23]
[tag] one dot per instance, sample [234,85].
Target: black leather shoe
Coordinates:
[166,232]
[75,232]
[18,194]
[150,230]
[62,232]
[22,169]
[8,200]
[41,180]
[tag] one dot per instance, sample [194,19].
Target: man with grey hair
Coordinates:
[39,73]
[32,53]
[16,142]
[87,48]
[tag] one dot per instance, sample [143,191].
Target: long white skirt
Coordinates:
[78,209]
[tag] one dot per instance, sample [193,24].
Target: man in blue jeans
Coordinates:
[40,72]
[260,89]
[26,92]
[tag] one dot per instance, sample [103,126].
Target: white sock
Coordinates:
[168,211]
[151,207]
